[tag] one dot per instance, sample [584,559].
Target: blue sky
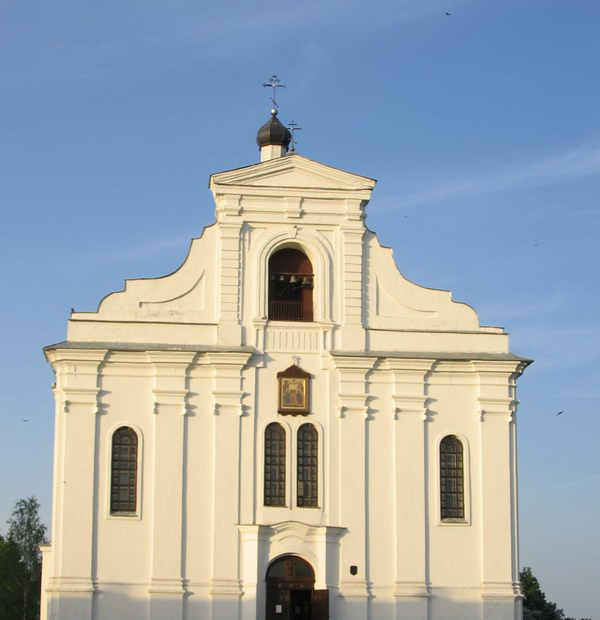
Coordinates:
[481,126]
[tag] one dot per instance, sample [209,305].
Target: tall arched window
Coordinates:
[290,286]
[123,484]
[452,479]
[307,466]
[274,465]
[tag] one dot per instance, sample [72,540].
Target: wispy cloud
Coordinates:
[581,162]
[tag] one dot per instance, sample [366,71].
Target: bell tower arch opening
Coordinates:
[291,282]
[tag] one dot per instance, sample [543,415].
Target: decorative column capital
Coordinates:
[408,387]
[350,404]
[170,401]
[77,371]
[80,399]
[83,358]
[409,405]
[293,207]
[352,396]
[170,380]
[497,406]
[228,204]
[228,402]
[354,209]
[227,390]
[497,387]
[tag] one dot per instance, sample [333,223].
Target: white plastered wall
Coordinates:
[190,362]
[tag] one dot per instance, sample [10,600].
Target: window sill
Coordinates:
[463,522]
[124,516]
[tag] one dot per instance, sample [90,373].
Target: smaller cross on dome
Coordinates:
[293,127]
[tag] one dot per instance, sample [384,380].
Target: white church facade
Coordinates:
[283,428]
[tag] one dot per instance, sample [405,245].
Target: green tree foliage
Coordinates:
[20,562]
[11,574]
[535,605]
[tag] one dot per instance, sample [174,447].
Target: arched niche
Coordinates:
[290,288]
[318,251]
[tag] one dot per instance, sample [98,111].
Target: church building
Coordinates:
[285,428]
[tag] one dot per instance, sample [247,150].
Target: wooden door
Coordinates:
[320,605]
[278,604]
[301,605]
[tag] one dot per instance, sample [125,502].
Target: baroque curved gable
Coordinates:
[219,294]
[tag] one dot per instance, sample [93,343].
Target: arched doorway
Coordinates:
[291,593]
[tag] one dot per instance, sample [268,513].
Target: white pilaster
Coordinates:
[352,332]
[500,581]
[409,413]
[228,409]
[170,390]
[229,287]
[254,554]
[353,411]
[71,588]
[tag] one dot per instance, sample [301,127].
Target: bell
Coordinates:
[282,278]
[306,281]
[272,276]
[293,280]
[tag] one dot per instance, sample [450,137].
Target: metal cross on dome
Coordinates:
[274,83]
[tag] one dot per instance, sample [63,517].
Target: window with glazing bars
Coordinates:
[123,488]
[452,481]
[274,465]
[307,466]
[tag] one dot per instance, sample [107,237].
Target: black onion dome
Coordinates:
[273,133]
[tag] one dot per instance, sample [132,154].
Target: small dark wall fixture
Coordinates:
[354,570]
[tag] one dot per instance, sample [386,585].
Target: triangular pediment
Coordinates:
[292,171]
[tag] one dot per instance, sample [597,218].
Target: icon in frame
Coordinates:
[294,391]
